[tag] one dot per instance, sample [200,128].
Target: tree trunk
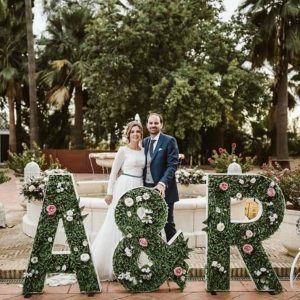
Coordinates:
[272,121]
[78,140]
[18,120]
[282,152]
[12,125]
[31,76]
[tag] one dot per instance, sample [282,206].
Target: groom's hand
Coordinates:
[161,189]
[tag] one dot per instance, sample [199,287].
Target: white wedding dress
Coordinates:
[132,163]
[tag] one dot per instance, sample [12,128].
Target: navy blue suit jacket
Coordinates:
[164,164]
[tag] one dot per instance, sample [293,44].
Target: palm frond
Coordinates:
[3,9]
[293,41]
[8,74]
[58,95]
[291,9]
[59,64]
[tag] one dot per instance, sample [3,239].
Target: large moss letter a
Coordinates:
[60,202]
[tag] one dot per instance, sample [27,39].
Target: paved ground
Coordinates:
[15,249]
[241,290]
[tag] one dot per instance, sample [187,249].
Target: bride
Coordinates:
[130,161]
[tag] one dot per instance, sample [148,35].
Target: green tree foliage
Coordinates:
[129,49]
[13,61]
[63,50]
[276,38]
[176,58]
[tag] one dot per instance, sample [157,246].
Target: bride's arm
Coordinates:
[116,167]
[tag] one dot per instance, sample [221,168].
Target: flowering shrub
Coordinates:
[4,177]
[34,187]
[221,159]
[289,182]
[187,176]
[17,162]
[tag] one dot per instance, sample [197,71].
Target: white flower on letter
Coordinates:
[84,257]
[220,227]
[34,260]
[128,202]
[146,196]
[70,213]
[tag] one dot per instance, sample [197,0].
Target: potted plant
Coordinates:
[190,182]
[221,159]
[289,182]
[33,190]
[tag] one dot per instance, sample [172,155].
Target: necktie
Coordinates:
[151,147]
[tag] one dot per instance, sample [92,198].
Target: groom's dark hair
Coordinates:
[155,114]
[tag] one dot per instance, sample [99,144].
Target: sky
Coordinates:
[230,7]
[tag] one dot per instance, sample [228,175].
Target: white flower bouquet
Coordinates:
[34,187]
[190,176]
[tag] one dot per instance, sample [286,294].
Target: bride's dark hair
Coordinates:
[130,125]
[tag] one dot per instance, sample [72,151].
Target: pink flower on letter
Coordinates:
[271,192]
[247,248]
[51,209]
[143,242]
[178,271]
[223,186]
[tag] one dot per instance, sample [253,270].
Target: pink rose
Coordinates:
[247,248]
[223,186]
[178,271]
[271,192]
[221,150]
[51,209]
[143,242]
[233,146]
[210,160]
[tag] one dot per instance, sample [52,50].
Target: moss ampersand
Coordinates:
[247,236]
[60,202]
[142,260]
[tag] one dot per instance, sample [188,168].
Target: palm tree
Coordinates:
[3,8]
[12,58]
[277,40]
[31,76]
[64,47]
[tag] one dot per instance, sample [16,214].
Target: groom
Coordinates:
[161,153]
